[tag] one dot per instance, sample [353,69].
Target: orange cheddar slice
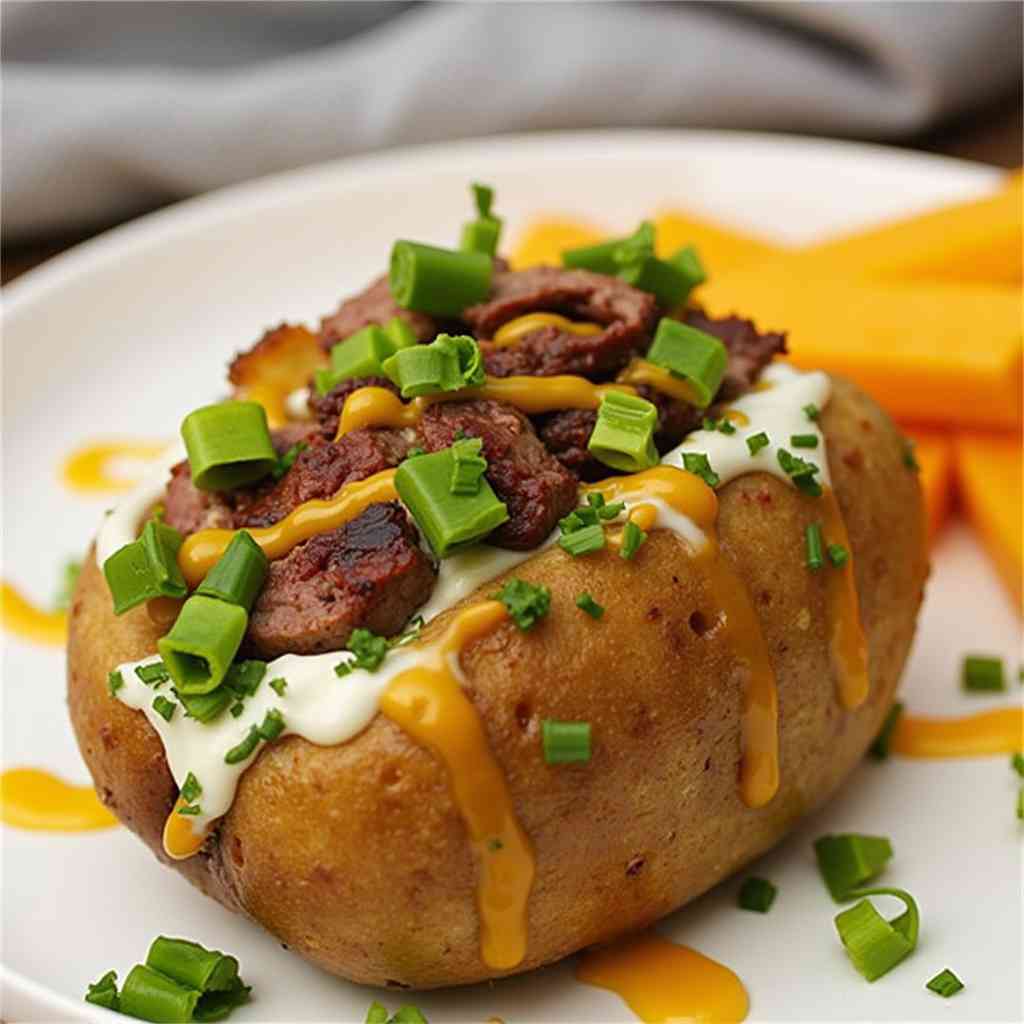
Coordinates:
[934,454]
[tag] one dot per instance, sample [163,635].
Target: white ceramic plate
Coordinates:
[126,333]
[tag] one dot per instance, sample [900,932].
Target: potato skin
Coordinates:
[356,857]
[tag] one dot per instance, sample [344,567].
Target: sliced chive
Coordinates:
[983,673]
[587,604]
[1020,804]
[114,682]
[190,810]
[757,441]
[847,861]
[801,472]
[804,440]
[369,649]
[288,459]
[757,894]
[811,411]
[698,464]
[238,575]
[272,725]
[278,685]
[838,555]
[527,603]
[164,708]
[623,436]
[191,790]
[815,559]
[945,984]
[632,539]
[104,992]
[1017,763]
[228,445]
[565,742]
[583,541]
[879,749]
[155,673]
[723,426]
[237,709]
[875,946]
[243,750]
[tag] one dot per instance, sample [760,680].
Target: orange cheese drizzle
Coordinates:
[181,841]
[428,702]
[639,371]
[665,983]
[990,732]
[509,333]
[90,468]
[37,800]
[22,618]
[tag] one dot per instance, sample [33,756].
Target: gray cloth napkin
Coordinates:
[112,108]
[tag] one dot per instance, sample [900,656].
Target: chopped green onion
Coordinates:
[632,538]
[244,677]
[879,749]
[601,258]
[527,603]
[815,558]
[202,643]
[846,861]
[698,464]
[838,555]
[687,352]
[623,436]
[104,992]
[400,333]
[278,685]
[482,234]
[190,810]
[376,1014]
[156,673]
[441,282]
[723,426]
[191,790]
[369,649]
[164,707]
[756,442]
[666,280]
[288,459]
[909,457]
[945,983]
[612,511]
[565,742]
[145,568]
[69,578]
[214,1006]
[114,682]
[874,945]
[244,750]
[192,965]
[449,363]
[237,709]
[149,995]
[688,261]
[238,575]
[811,411]
[1017,763]
[408,1015]
[583,541]
[469,466]
[804,440]
[1020,804]
[204,707]
[801,472]
[757,894]
[587,604]
[447,520]
[983,674]
[272,725]
[410,633]
[228,445]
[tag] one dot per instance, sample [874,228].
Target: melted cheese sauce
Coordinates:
[664,983]
[511,332]
[39,801]
[990,732]
[640,371]
[101,467]
[23,619]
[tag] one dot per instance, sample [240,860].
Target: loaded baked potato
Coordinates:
[608,710]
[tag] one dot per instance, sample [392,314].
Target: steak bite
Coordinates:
[627,314]
[371,572]
[373,305]
[537,489]
[749,350]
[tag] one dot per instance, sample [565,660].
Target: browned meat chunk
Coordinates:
[537,489]
[370,572]
[749,350]
[627,314]
[326,409]
[374,305]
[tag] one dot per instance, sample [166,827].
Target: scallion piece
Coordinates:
[469,466]
[879,749]
[601,258]
[688,261]
[205,707]
[689,353]
[583,541]
[228,445]
[448,520]
[587,604]
[192,965]
[238,575]
[244,750]
[623,436]
[237,709]
[202,643]
[847,861]
[153,674]
[945,984]
[804,440]
[164,707]
[698,464]
[811,411]
[1017,764]
[757,894]
[527,603]
[114,682]
[874,945]
[369,649]
[666,280]
[190,811]
[376,1014]
[191,790]
[441,282]
[815,558]
[408,1015]
[278,685]
[272,725]
[983,674]
[244,677]
[1020,804]
[632,539]
[838,555]
[215,1005]
[104,992]
[146,568]
[149,995]
[482,234]
[449,363]
[565,742]
[801,472]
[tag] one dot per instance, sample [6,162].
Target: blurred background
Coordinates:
[113,109]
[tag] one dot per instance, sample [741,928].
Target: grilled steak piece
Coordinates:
[370,572]
[749,350]
[373,305]
[627,314]
[537,489]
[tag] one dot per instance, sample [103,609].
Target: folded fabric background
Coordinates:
[112,108]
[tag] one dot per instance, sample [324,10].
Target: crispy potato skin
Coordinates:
[356,857]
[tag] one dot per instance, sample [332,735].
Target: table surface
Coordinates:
[994,135]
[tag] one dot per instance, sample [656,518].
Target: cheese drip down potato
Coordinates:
[358,857]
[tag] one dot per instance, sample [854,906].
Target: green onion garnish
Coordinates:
[146,568]
[623,436]
[698,464]
[447,520]
[244,677]
[527,603]
[587,604]
[668,281]
[362,354]
[565,742]
[272,725]
[190,811]
[238,575]
[482,234]
[723,426]
[288,459]
[410,633]
[804,440]
[583,541]
[449,363]
[838,555]
[469,466]
[945,983]
[104,992]
[757,894]
[811,411]
[1020,804]
[601,258]
[874,945]
[149,995]
[202,643]
[369,649]
[801,472]
[632,538]
[278,685]
[847,861]
[687,352]
[756,442]
[228,445]
[688,261]
[1017,763]
[237,709]
[441,282]
[879,749]
[164,707]
[191,790]
[114,682]
[244,750]
[156,673]
[192,965]
[377,1014]
[204,707]
[815,558]
[983,674]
